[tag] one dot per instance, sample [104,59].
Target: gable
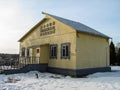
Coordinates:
[48,26]
[32,29]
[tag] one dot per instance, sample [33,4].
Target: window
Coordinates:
[38,50]
[65,50]
[23,52]
[53,51]
[28,52]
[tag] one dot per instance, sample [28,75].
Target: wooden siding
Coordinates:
[92,51]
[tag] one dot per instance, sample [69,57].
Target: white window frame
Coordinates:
[53,52]
[65,51]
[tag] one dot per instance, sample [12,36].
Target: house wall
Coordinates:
[91,51]
[63,34]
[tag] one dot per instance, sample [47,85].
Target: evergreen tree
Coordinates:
[112,54]
[118,57]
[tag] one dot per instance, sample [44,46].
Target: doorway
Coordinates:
[44,54]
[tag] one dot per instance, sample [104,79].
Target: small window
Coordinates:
[53,51]
[28,52]
[23,52]
[65,50]
[38,50]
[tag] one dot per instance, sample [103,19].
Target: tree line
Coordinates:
[114,54]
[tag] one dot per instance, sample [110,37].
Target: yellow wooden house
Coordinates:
[66,47]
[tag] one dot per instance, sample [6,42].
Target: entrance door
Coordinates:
[44,53]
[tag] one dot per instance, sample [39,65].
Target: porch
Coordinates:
[33,63]
[29,60]
[36,54]
[23,65]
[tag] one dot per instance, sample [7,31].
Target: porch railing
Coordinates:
[29,60]
[18,63]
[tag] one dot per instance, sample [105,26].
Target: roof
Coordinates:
[78,26]
[75,25]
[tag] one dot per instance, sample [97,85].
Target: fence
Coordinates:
[18,63]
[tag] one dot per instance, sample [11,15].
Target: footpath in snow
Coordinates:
[48,81]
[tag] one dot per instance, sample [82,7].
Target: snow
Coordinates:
[5,67]
[48,81]
[115,67]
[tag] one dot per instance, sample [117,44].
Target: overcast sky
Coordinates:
[18,16]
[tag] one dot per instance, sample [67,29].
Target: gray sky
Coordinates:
[18,16]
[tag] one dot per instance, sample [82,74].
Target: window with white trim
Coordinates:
[53,51]
[65,51]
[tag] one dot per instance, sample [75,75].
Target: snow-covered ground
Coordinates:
[5,67]
[48,81]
